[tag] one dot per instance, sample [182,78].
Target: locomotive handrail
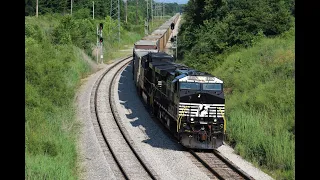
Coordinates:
[154,86]
[180,117]
[224,121]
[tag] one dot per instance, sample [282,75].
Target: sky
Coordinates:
[173,1]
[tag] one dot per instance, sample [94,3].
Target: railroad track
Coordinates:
[119,150]
[219,166]
[214,164]
[124,158]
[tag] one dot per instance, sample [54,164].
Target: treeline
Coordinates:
[212,27]
[136,9]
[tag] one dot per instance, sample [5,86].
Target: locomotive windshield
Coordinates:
[190,85]
[214,87]
[202,86]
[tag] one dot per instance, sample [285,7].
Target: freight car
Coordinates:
[189,103]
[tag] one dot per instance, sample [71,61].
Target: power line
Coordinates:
[115,14]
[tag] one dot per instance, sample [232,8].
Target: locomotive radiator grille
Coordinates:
[201,110]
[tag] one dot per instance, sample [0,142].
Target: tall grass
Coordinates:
[259,83]
[264,142]
[52,75]
[54,66]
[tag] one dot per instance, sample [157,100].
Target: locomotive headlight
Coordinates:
[215,120]
[191,119]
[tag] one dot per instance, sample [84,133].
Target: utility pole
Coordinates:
[151,14]
[146,23]
[137,18]
[164,5]
[157,10]
[126,11]
[98,48]
[119,20]
[92,9]
[147,17]
[162,10]
[37,9]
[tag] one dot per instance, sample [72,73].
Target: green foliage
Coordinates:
[214,26]
[259,89]
[52,74]
[74,31]
[54,65]
[34,32]
[29,7]
[48,93]
[265,144]
[82,14]
[260,103]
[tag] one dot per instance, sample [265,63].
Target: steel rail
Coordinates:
[116,120]
[232,166]
[113,110]
[98,118]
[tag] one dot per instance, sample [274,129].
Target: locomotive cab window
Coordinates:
[212,87]
[189,85]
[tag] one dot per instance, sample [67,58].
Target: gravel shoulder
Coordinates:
[246,166]
[92,163]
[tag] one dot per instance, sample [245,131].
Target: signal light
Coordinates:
[101,39]
[101,26]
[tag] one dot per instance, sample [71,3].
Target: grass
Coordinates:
[259,84]
[53,71]
[258,140]
[52,75]
[50,145]
[260,103]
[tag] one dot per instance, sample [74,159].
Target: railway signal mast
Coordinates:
[99,48]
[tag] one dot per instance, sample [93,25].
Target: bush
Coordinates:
[82,13]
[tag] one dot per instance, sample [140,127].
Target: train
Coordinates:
[188,102]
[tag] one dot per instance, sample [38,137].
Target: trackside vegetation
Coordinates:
[259,83]
[54,66]
[250,45]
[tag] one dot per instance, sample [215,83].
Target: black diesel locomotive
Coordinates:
[189,103]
